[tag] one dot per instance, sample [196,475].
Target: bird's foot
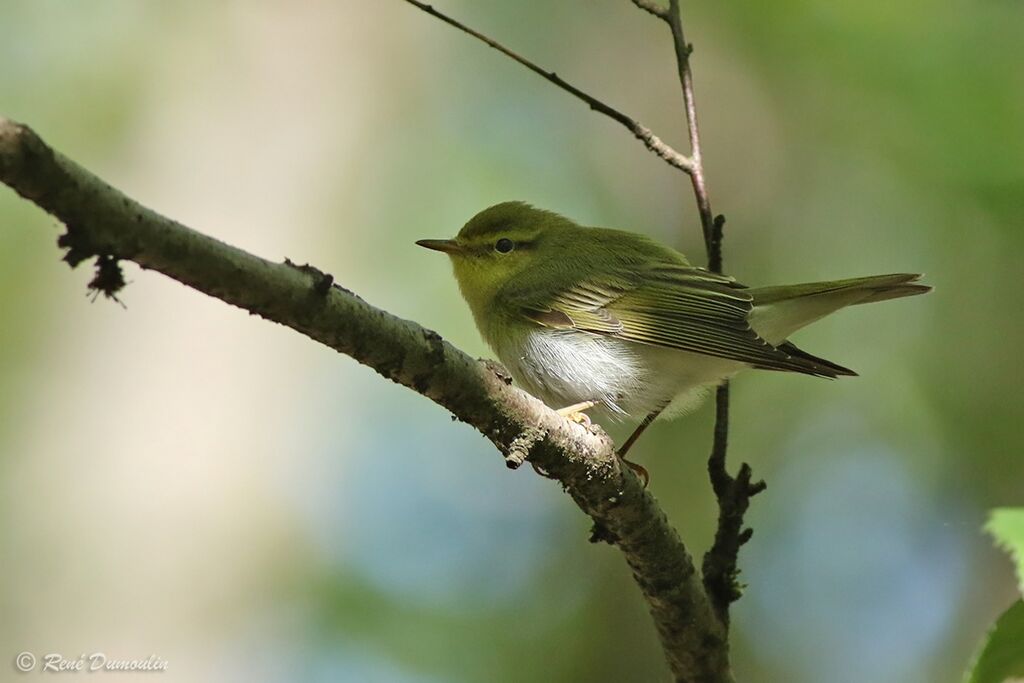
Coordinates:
[576,414]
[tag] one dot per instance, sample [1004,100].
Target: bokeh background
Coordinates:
[178,478]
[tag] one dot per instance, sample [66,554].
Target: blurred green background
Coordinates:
[184,480]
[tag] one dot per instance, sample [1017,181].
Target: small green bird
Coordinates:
[586,317]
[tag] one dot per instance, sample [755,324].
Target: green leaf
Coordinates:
[1007,526]
[1002,655]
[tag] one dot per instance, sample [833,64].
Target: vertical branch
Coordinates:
[733,493]
[700,189]
[719,567]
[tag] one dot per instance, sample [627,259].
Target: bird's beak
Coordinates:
[447,246]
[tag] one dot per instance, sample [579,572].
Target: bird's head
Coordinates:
[498,244]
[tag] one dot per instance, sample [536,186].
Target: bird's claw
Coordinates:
[580,418]
[575,412]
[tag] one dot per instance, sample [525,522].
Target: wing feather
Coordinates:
[673,306]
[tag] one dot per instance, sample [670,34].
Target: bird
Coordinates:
[613,322]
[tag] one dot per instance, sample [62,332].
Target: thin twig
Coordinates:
[700,190]
[640,131]
[733,494]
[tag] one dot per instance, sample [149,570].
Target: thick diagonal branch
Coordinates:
[102,222]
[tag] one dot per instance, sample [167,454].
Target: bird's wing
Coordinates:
[669,305]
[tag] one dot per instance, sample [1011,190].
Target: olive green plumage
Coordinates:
[592,314]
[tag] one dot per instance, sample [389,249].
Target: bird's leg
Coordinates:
[575,412]
[640,470]
[641,428]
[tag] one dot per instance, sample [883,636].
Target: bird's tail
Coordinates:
[780,311]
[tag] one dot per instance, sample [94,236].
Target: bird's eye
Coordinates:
[504,245]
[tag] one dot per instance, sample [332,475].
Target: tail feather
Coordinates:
[780,311]
[895,292]
[875,288]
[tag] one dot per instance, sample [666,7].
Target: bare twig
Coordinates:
[720,562]
[640,131]
[719,568]
[105,224]
[700,190]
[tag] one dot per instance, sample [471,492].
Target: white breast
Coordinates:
[563,367]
